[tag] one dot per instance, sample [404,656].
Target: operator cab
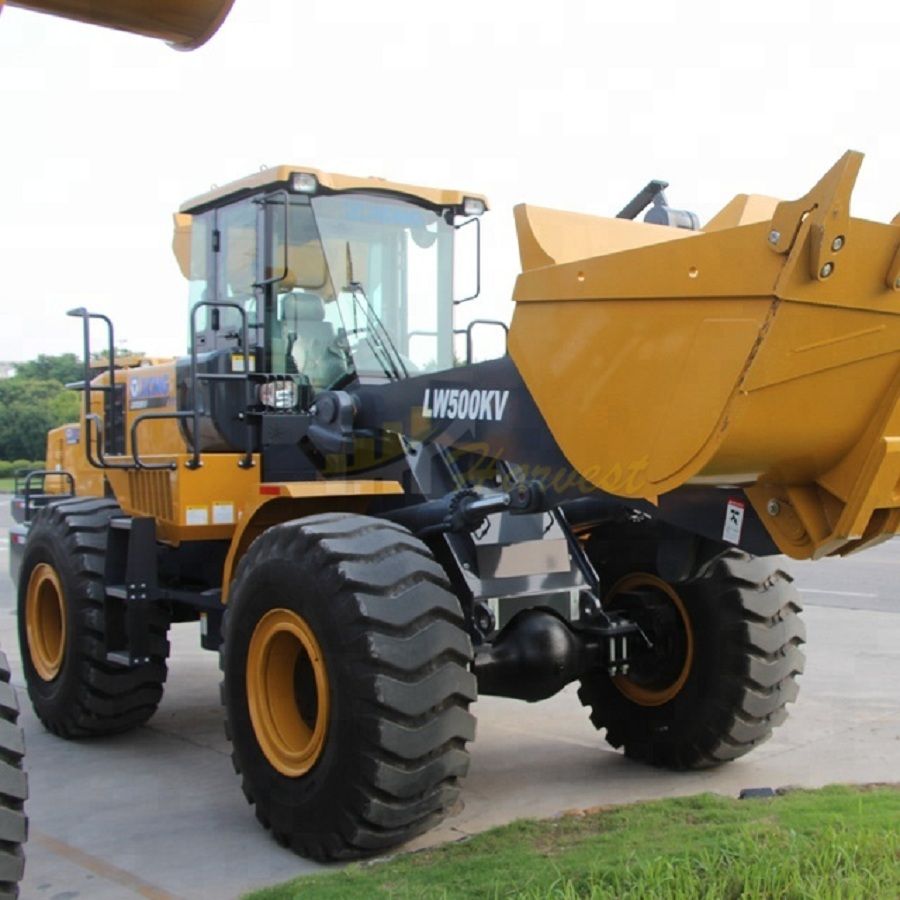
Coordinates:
[327,278]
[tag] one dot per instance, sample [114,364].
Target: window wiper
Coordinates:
[378,336]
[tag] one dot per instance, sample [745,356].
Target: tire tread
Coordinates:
[109,699]
[410,657]
[13,788]
[761,660]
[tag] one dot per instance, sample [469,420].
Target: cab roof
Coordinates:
[329,182]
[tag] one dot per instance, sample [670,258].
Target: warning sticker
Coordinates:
[223,513]
[196,515]
[734,521]
[238,363]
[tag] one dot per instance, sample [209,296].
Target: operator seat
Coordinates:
[311,339]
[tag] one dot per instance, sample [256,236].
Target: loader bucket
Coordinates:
[185,24]
[761,352]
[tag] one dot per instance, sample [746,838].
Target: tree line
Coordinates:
[33,401]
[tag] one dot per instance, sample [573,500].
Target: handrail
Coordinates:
[247,461]
[43,473]
[135,455]
[95,424]
[470,348]
[91,418]
[194,412]
[477,222]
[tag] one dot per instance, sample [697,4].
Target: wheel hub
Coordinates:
[45,621]
[658,674]
[287,692]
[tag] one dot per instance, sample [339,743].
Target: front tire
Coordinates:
[723,676]
[75,691]
[345,685]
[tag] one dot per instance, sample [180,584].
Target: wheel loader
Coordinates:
[372,527]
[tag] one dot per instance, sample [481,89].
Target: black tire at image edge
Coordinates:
[13,788]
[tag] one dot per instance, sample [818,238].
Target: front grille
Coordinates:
[151,493]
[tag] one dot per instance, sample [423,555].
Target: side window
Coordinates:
[422,325]
[304,259]
[236,268]
[199,275]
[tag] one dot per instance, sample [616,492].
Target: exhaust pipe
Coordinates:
[185,24]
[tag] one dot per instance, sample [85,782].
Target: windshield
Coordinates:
[364,285]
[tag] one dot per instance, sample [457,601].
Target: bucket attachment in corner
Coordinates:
[761,351]
[185,24]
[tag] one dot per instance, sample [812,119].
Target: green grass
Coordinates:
[838,842]
[6,485]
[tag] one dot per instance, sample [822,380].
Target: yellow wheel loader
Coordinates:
[371,527]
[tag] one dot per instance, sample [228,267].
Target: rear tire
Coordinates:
[62,628]
[740,673]
[13,788]
[352,620]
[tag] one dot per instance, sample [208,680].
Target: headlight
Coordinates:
[473,206]
[304,183]
[281,394]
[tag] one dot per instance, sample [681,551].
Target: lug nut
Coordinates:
[837,243]
[827,269]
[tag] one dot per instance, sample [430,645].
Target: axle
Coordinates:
[538,653]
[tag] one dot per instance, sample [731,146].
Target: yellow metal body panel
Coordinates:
[185,24]
[306,490]
[148,389]
[65,452]
[764,351]
[630,411]
[202,504]
[551,236]
[220,500]
[294,500]
[65,445]
[743,210]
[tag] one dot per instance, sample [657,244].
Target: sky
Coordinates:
[572,105]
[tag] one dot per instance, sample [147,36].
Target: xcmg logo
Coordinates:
[147,388]
[464,403]
[147,391]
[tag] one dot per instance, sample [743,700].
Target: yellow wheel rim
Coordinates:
[45,621]
[287,692]
[644,695]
